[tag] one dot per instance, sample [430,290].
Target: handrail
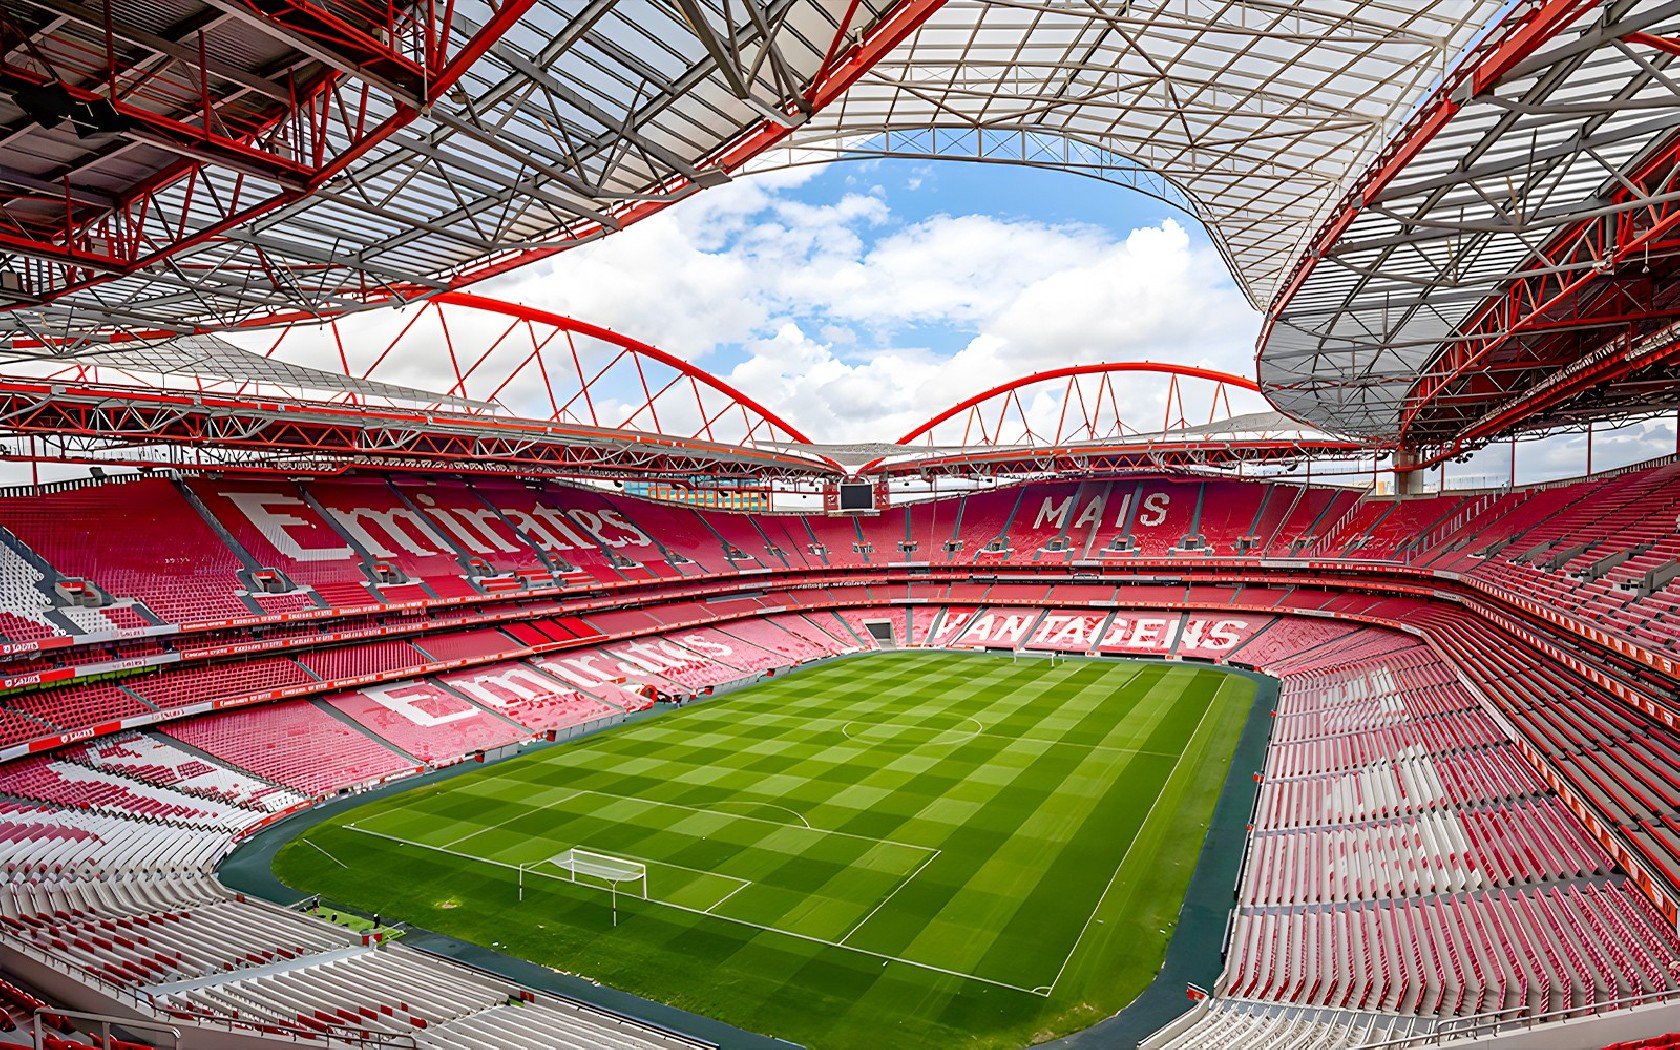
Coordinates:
[104,1021]
[147,1007]
[1481,1025]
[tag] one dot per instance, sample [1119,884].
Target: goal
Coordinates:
[612,872]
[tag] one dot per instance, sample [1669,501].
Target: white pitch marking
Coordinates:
[739,922]
[1047,989]
[902,883]
[719,903]
[744,802]
[306,841]
[510,820]
[846,731]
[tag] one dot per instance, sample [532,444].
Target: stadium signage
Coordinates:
[397,531]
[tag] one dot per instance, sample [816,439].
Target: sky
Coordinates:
[860,298]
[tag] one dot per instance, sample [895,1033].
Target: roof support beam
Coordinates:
[353,50]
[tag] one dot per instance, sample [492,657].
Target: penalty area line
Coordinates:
[510,820]
[767,805]
[719,902]
[1041,992]
[883,903]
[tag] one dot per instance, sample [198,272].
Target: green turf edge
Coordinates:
[249,869]
[1195,953]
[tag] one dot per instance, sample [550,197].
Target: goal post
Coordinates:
[599,870]
[614,871]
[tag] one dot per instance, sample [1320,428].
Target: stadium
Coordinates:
[389,660]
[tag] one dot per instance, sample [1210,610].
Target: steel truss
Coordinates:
[1132,415]
[182,165]
[536,364]
[1255,115]
[595,403]
[1508,263]
[1018,147]
[124,426]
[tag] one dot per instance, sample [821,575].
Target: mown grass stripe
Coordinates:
[981,929]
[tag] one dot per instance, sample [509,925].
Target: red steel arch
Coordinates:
[469,377]
[1093,414]
[1079,419]
[539,364]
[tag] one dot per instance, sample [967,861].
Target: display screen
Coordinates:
[857,497]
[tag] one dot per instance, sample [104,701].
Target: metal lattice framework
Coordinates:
[1509,261]
[1494,204]
[538,365]
[592,402]
[92,423]
[1105,417]
[514,389]
[181,165]
[211,364]
[1253,115]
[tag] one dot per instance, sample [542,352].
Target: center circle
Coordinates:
[911,734]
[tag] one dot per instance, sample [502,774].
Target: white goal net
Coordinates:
[608,869]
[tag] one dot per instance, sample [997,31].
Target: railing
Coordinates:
[150,1030]
[1515,1019]
[144,1005]
[1322,540]
[1474,508]
[72,484]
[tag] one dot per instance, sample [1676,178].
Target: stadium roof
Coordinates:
[180,165]
[1508,262]
[208,362]
[1256,115]
[207,163]
[1396,182]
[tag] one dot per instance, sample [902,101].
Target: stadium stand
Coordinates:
[274,522]
[1268,1026]
[45,779]
[195,682]
[425,721]
[464,645]
[1435,953]
[1068,630]
[293,743]
[130,906]
[354,661]
[827,641]
[68,707]
[533,699]
[852,627]
[1398,798]
[169,558]
[392,539]
[154,760]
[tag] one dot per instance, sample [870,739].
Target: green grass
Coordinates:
[353,923]
[907,850]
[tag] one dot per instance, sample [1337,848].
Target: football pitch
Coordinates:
[907,849]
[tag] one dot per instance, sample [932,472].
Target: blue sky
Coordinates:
[861,297]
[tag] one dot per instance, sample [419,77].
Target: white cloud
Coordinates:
[740,278]
[856,325]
